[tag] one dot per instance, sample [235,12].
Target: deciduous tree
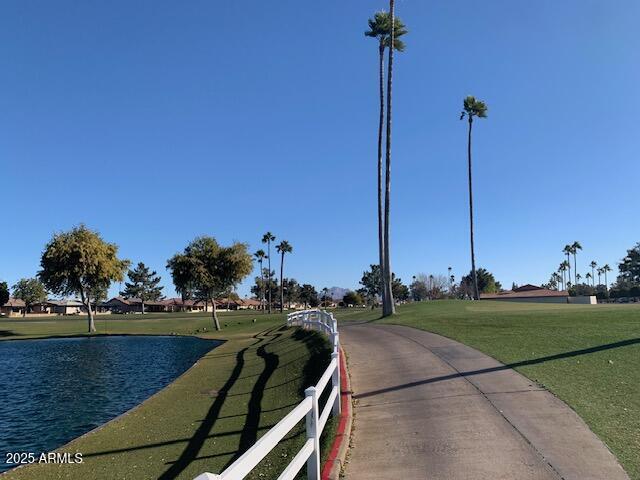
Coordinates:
[400,290]
[80,262]
[30,291]
[352,298]
[486,283]
[629,267]
[291,290]
[263,284]
[4,293]
[309,295]
[211,268]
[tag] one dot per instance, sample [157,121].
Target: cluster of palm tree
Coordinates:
[284,247]
[387,30]
[562,278]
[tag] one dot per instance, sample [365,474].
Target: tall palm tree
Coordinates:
[605,270]
[575,246]
[380,29]
[567,250]
[578,278]
[268,238]
[472,108]
[260,255]
[593,266]
[565,266]
[388,307]
[282,248]
[450,277]
[600,271]
[588,277]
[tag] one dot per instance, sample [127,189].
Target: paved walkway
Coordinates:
[431,408]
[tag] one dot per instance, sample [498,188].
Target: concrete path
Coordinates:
[427,407]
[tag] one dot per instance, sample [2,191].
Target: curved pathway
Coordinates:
[427,407]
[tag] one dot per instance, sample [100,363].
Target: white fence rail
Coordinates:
[308,409]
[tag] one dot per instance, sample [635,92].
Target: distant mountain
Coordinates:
[336,293]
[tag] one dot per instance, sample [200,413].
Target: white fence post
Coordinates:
[335,382]
[208,476]
[316,419]
[313,464]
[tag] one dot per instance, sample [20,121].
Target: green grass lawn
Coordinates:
[208,416]
[588,355]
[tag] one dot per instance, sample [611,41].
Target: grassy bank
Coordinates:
[208,416]
[588,355]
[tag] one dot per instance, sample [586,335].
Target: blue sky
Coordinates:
[154,122]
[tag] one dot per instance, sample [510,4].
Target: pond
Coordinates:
[54,390]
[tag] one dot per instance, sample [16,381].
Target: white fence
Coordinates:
[308,408]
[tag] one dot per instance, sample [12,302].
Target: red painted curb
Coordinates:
[345,416]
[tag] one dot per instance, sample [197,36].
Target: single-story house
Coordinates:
[13,308]
[133,305]
[529,293]
[249,304]
[180,305]
[66,306]
[238,304]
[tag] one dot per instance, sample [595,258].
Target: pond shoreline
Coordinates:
[101,335]
[64,447]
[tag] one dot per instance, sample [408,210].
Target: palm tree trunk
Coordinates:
[575,267]
[380,219]
[262,287]
[269,276]
[281,284]
[476,294]
[388,307]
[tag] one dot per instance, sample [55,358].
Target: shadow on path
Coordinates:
[534,361]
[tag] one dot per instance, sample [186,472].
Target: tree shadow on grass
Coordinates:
[196,442]
[509,366]
[8,333]
[319,354]
[249,433]
[265,343]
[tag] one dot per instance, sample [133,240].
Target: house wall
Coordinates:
[532,299]
[584,300]
[67,310]
[12,311]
